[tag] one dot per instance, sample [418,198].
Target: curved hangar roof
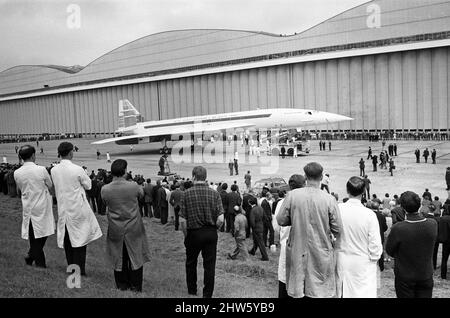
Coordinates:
[174,50]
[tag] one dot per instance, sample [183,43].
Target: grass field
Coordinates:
[164,275]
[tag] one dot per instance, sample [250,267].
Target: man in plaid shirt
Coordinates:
[200,208]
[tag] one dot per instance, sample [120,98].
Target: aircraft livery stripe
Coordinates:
[191,122]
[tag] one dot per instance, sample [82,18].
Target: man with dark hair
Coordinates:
[175,201]
[447,178]
[77,225]
[126,242]
[35,187]
[257,225]
[374,163]
[426,154]
[200,209]
[411,244]
[267,220]
[163,204]
[148,198]
[417,154]
[233,199]
[314,217]
[433,156]
[359,246]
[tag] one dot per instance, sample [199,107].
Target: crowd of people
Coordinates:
[327,248]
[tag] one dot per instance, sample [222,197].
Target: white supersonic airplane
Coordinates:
[133,131]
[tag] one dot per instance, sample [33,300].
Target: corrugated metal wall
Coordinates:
[405,90]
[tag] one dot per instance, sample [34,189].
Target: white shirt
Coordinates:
[34,183]
[236,156]
[107,156]
[74,211]
[5,160]
[358,250]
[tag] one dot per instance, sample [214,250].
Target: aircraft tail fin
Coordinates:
[128,114]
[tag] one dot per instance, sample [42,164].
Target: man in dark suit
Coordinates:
[233,199]
[257,225]
[175,201]
[156,209]
[433,156]
[148,198]
[374,162]
[163,205]
[395,149]
[247,208]
[426,153]
[267,220]
[417,153]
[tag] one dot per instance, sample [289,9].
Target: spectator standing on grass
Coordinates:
[256,221]
[148,198]
[295,182]
[98,155]
[100,205]
[433,156]
[200,208]
[444,238]
[163,204]
[233,199]
[359,246]
[77,225]
[108,157]
[411,244]
[35,187]
[126,241]
[175,201]
[314,219]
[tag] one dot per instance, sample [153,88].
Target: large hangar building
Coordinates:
[385,63]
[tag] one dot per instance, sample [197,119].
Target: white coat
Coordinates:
[283,233]
[359,248]
[34,182]
[74,211]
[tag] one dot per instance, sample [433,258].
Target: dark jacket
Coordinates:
[267,210]
[233,199]
[444,229]
[256,219]
[223,195]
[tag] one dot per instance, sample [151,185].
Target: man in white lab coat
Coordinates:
[359,246]
[35,186]
[77,225]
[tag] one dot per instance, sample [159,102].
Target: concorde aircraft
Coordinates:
[133,131]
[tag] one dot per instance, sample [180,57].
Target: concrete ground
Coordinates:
[341,163]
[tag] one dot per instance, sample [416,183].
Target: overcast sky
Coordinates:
[37,31]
